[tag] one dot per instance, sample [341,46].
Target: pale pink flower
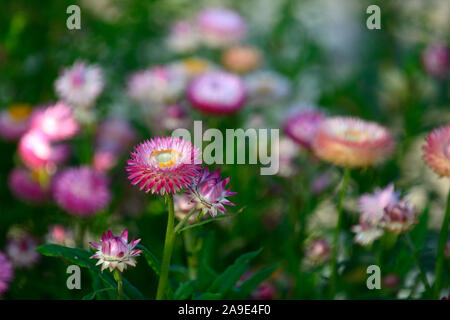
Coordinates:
[318,252]
[219,27]
[80,85]
[58,234]
[217,93]
[437,151]
[399,217]
[352,142]
[56,122]
[183,37]
[436,60]
[21,249]
[115,252]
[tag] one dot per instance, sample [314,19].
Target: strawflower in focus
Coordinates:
[81,191]
[115,252]
[217,93]
[352,142]
[209,191]
[80,85]
[14,121]
[164,165]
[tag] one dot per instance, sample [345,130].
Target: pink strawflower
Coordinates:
[219,27]
[21,249]
[56,122]
[399,217]
[209,192]
[58,234]
[352,142]
[156,85]
[366,234]
[81,191]
[372,206]
[436,60]
[104,159]
[318,252]
[25,185]
[37,151]
[302,125]
[115,252]
[164,165]
[217,92]
[6,273]
[437,151]
[183,206]
[80,85]
[14,121]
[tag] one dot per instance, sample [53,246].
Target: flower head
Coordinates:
[20,248]
[217,92]
[14,121]
[436,60]
[302,126]
[155,85]
[58,234]
[220,27]
[6,273]
[81,191]
[318,252]
[115,252]
[209,192]
[437,151]
[25,185]
[372,206]
[37,151]
[366,234]
[241,59]
[80,85]
[55,122]
[352,142]
[164,165]
[183,206]
[399,217]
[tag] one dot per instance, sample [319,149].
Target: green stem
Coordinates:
[440,253]
[118,278]
[182,222]
[337,232]
[167,254]
[415,254]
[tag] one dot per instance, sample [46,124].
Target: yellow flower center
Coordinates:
[354,135]
[195,66]
[165,158]
[19,111]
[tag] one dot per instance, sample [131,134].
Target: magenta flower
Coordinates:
[115,252]
[56,122]
[217,92]
[80,85]
[302,125]
[164,165]
[436,60]
[6,273]
[219,27]
[14,121]
[209,192]
[25,186]
[81,191]
[37,151]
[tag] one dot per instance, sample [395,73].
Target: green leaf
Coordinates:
[209,296]
[249,285]
[233,273]
[419,233]
[151,259]
[184,290]
[81,258]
